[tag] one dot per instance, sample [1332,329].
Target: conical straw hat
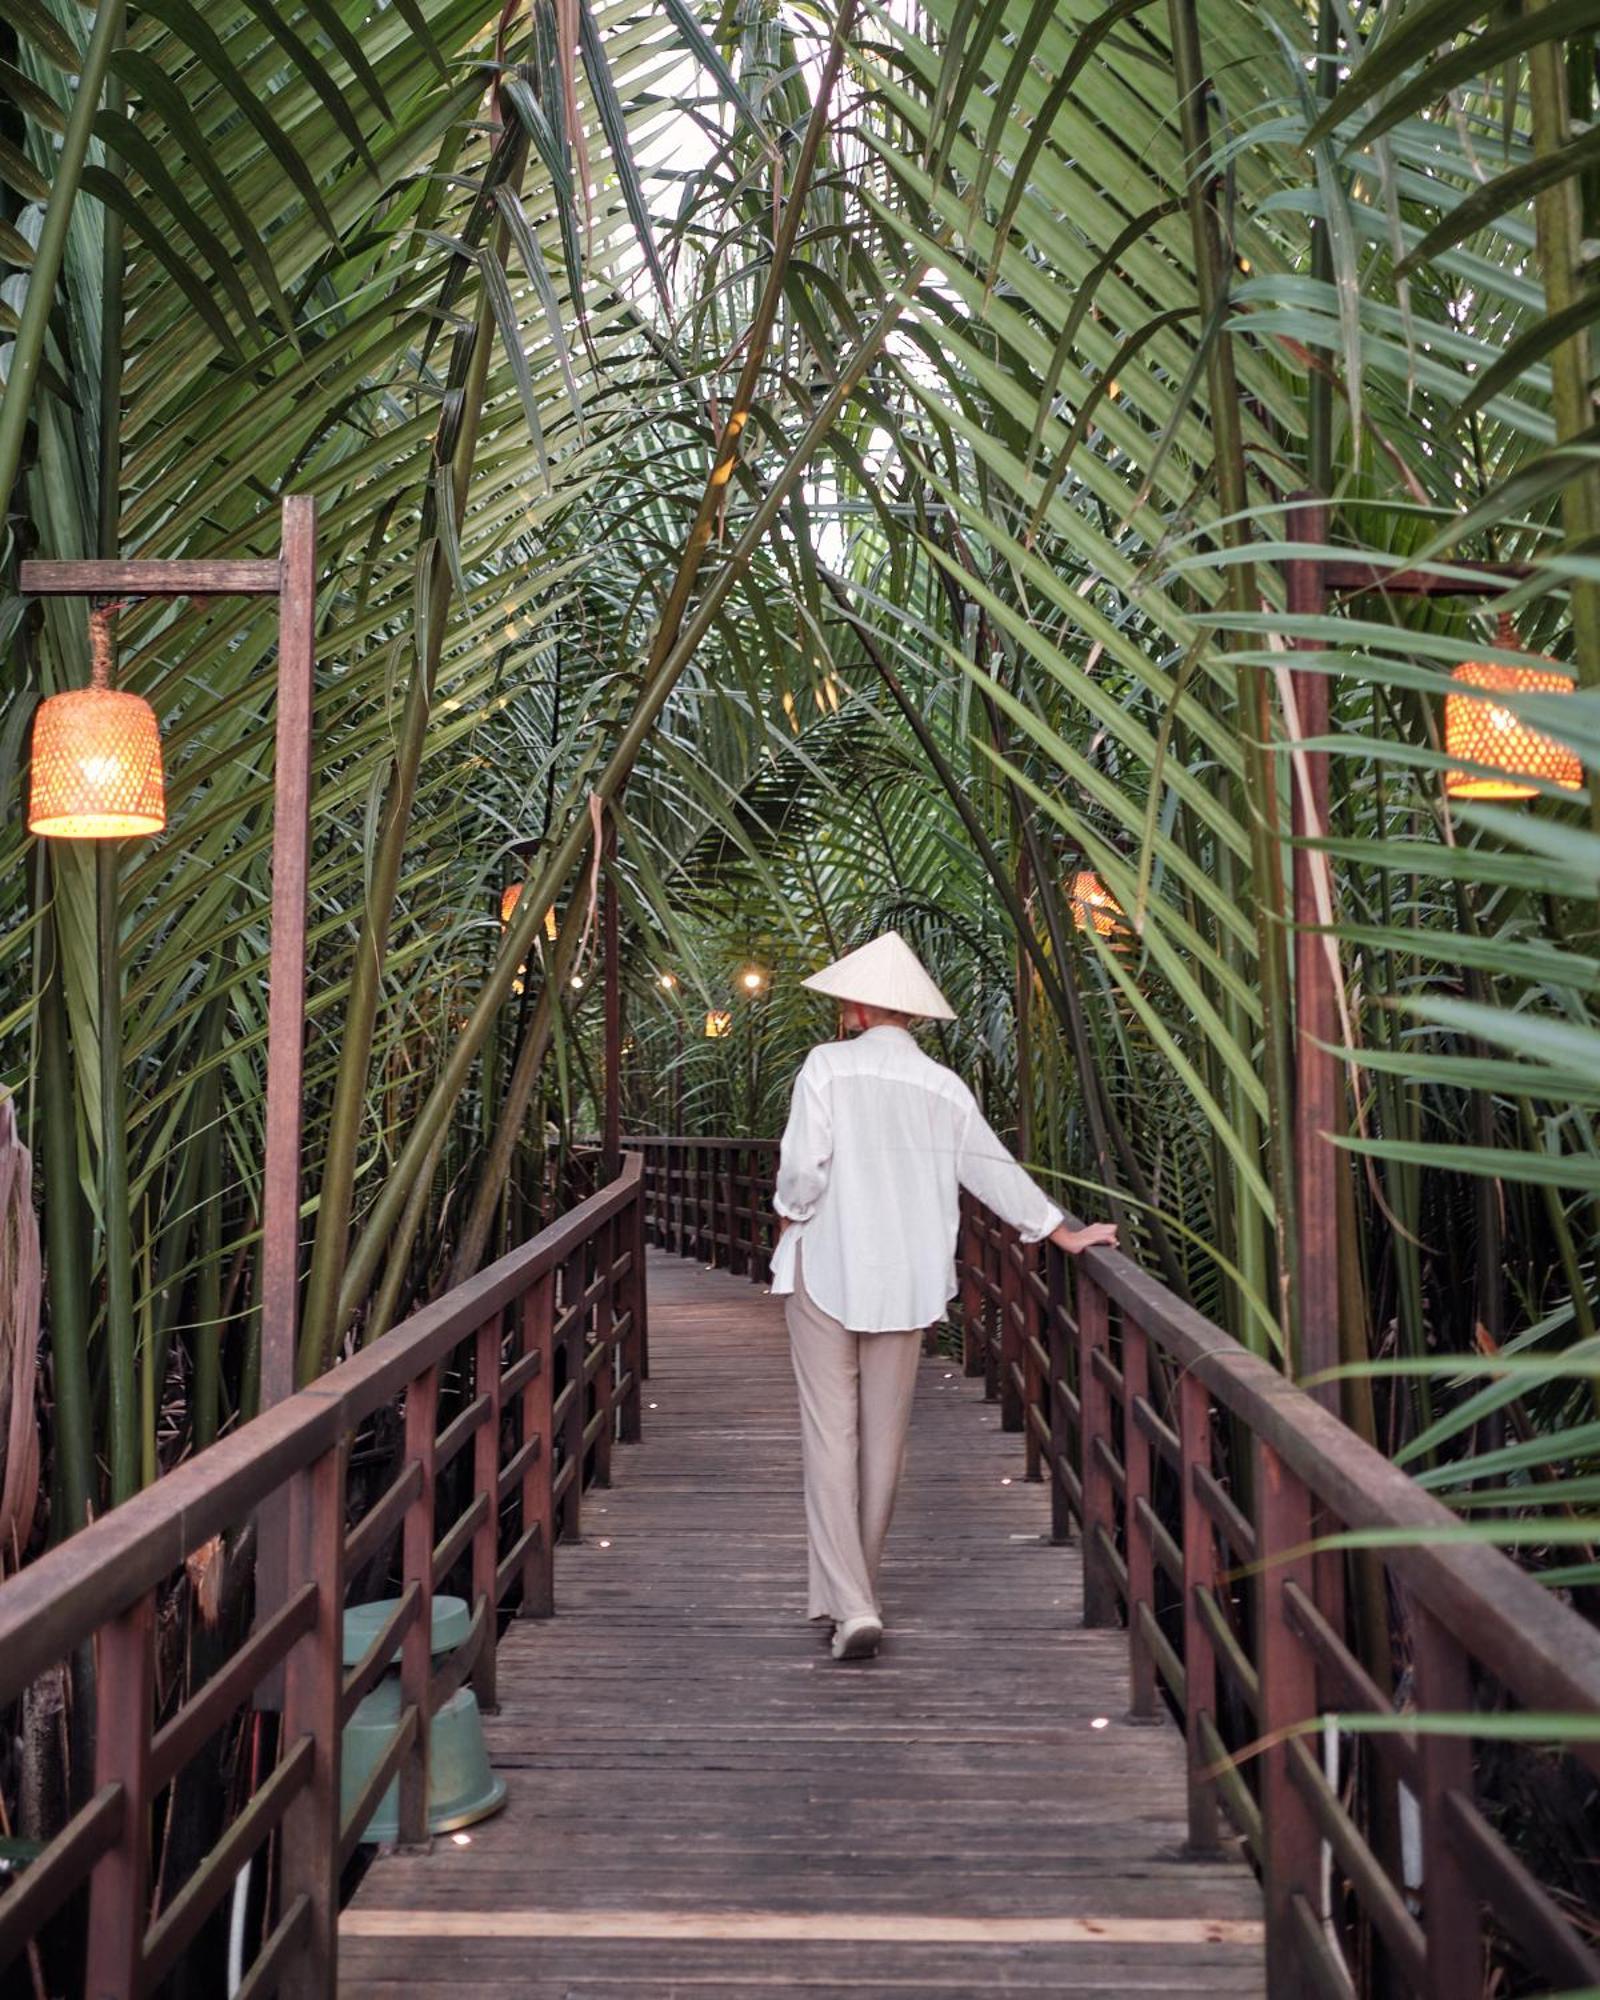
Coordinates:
[885,973]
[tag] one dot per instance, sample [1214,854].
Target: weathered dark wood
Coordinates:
[1141,1565]
[416,1649]
[218,578]
[701,1802]
[486,1480]
[1288,1696]
[291,860]
[1318,1081]
[1094,1402]
[1199,1574]
[120,1884]
[1450,1914]
[313,1712]
[538,1512]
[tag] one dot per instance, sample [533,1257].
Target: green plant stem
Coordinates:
[121,1338]
[1558,225]
[66,1226]
[570,850]
[28,349]
[1261,777]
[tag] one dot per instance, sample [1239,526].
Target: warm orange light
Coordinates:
[509,899]
[719,1022]
[669,982]
[1481,731]
[1093,905]
[752,979]
[96,767]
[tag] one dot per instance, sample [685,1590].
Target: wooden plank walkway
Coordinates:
[703,1804]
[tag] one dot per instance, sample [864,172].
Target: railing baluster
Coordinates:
[632,1232]
[971,1293]
[1032,1398]
[1199,1573]
[1057,1341]
[575,1275]
[416,1651]
[1450,1913]
[537,1309]
[1010,1332]
[1141,1557]
[119,1888]
[1094,1407]
[605,1380]
[486,1479]
[1293,1857]
[312,1686]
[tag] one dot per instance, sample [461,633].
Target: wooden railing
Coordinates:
[514,1387]
[1199,1483]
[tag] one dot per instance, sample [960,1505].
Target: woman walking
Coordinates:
[879,1144]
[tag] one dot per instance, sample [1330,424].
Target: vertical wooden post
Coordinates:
[971,1293]
[605,1322]
[1094,1425]
[537,1311]
[486,1374]
[1057,1334]
[1317,1163]
[1293,1858]
[119,1888]
[1032,1387]
[1141,1556]
[416,1652]
[612,1139]
[631,1233]
[291,844]
[1450,1904]
[574,1280]
[313,1685]
[641,1315]
[1199,1573]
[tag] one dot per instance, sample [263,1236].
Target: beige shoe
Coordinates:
[858,1638]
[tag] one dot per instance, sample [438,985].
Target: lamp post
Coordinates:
[96,783]
[1318,1100]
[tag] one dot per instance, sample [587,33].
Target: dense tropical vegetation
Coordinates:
[861,446]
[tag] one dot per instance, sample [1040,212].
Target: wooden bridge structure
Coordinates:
[1093,1756]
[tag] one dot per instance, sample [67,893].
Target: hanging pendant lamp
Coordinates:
[1094,908]
[96,757]
[1479,730]
[510,896]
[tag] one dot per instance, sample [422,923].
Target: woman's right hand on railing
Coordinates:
[1093,1236]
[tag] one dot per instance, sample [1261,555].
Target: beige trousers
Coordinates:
[855,1408]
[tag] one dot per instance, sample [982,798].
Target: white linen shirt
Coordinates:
[880,1141]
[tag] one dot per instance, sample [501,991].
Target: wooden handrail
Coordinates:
[1237,1611]
[574,1295]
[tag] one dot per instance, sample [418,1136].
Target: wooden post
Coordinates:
[631,1232]
[1094,1407]
[1317,1163]
[605,1380]
[1141,1558]
[486,1374]
[537,1309]
[573,1283]
[1450,1901]
[119,1888]
[1292,1861]
[1056,1339]
[291,845]
[416,1652]
[313,1685]
[1199,1573]
[611,1147]
[971,1293]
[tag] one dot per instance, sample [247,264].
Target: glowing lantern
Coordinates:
[669,982]
[96,757]
[752,979]
[509,899]
[1482,731]
[1093,905]
[719,1022]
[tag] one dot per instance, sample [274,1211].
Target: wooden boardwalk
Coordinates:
[703,1804]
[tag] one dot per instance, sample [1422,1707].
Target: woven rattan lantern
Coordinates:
[719,1022]
[1480,730]
[97,757]
[510,896]
[1093,905]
